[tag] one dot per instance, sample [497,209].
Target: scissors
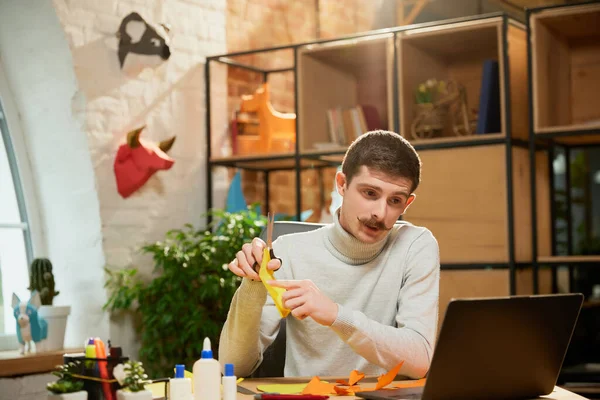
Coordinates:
[267,274]
[269,248]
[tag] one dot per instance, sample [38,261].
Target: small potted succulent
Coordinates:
[133,380]
[42,281]
[67,387]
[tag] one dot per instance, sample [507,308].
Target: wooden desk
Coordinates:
[557,394]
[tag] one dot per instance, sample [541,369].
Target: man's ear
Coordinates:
[340,182]
[409,201]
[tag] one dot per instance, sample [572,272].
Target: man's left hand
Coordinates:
[304,299]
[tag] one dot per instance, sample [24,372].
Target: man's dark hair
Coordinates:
[385,152]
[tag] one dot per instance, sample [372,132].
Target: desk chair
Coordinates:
[274,355]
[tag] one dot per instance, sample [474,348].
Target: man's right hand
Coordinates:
[251,253]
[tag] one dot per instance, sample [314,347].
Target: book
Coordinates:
[489,99]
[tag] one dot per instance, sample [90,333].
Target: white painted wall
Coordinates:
[38,67]
[76,105]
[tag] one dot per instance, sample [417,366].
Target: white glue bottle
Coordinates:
[207,375]
[180,387]
[229,383]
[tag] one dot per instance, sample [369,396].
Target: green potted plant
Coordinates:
[42,280]
[67,387]
[189,295]
[133,380]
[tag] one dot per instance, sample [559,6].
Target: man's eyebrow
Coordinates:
[377,188]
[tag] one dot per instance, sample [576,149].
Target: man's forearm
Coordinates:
[240,342]
[385,345]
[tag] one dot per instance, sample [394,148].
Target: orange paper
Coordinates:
[387,378]
[411,384]
[349,391]
[318,387]
[355,377]
[315,386]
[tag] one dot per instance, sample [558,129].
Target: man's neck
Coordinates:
[346,247]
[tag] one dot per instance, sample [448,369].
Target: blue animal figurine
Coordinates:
[30,326]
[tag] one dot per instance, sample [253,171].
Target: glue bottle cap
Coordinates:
[179,371]
[207,351]
[229,370]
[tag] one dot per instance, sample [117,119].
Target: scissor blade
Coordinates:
[270,220]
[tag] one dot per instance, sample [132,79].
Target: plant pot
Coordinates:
[56,316]
[127,395]
[81,395]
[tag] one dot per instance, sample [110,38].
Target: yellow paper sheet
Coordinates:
[265,275]
[282,388]
[158,389]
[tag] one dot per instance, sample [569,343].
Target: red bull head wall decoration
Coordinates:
[137,160]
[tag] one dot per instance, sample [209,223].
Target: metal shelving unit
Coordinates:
[564,37]
[301,159]
[549,138]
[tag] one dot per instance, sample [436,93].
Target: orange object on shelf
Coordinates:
[275,132]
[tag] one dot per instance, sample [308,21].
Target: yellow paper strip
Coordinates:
[265,275]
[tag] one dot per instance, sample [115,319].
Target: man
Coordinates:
[363,291]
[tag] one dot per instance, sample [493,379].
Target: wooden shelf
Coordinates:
[580,134]
[343,74]
[569,260]
[469,216]
[456,141]
[273,162]
[12,363]
[565,48]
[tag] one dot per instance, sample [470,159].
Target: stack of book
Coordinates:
[346,124]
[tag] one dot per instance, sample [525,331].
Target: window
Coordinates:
[16,250]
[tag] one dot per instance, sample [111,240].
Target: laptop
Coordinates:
[497,348]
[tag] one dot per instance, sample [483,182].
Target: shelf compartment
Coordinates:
[451,199]
[344,74]
[486,283]
[565,51]
[454,51]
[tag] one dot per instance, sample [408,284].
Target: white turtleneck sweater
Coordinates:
[387,295]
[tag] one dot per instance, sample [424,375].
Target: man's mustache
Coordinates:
[373,223]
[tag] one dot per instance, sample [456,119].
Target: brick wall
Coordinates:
[168,98]
[254,24]
[76,105]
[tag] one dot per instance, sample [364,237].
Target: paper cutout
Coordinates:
[140,37]
[411,384]
[346,391]
[342,387]
[388,378]
[235,196]
[282,388]
[355,377]
[266,275]
[137,160]
[318,387]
